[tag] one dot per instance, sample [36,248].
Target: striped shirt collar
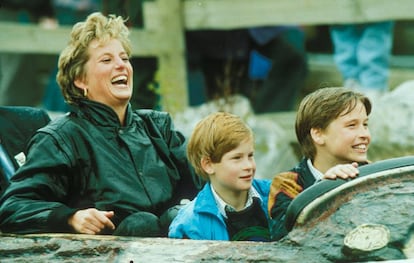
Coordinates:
[315,172]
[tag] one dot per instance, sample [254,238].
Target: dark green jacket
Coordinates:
[87,159]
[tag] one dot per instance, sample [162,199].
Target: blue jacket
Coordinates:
[201,218]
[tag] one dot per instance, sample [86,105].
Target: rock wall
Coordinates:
[392,123]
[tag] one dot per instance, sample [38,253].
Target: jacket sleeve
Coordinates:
[186,225]
[189,224]
[178,226]
[189,184]
[34,201]
[283,189]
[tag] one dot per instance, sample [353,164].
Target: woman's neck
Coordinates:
[121,113]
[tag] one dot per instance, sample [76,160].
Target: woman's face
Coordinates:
[108,74]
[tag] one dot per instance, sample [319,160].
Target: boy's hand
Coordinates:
[91,221]
[343,171]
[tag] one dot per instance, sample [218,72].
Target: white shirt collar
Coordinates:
[221,204]
[315,172]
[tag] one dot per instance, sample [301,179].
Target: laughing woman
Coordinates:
[103,168]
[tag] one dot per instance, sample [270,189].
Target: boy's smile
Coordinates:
[345,139]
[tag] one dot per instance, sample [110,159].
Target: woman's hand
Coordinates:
[91,221]
[343,171]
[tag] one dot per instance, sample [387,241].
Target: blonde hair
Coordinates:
[320,108]
[215,135]
[73,58]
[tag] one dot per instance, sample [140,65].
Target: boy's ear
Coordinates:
[316,134]
[207,165]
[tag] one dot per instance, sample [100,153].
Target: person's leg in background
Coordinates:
[374,54]
[217,62]
[345,39]
[196,80]
[279,90]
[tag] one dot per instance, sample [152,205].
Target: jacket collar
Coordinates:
[205,201]
[101,114]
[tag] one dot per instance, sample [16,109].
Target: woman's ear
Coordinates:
[79,83]
[317,135]
[207,165]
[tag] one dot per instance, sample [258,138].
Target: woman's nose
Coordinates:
[119,62]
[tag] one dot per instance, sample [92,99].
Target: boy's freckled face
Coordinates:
[236,170]
[346,139]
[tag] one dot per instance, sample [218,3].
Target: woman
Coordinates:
[102,168]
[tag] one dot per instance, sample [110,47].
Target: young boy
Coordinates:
[332,130]
[232,205]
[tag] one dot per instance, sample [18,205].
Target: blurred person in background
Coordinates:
[23,76]
[362,54]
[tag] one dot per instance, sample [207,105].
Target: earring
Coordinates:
[85,92]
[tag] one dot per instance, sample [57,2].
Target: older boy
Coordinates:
[332,130]
[232,205]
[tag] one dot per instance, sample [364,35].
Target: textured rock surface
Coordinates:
[387,200]
[392,123]
[66,248]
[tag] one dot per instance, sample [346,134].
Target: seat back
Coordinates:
[17,125]
[310,194]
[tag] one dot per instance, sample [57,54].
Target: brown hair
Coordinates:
[320,108]
[73,58]
[214,136]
